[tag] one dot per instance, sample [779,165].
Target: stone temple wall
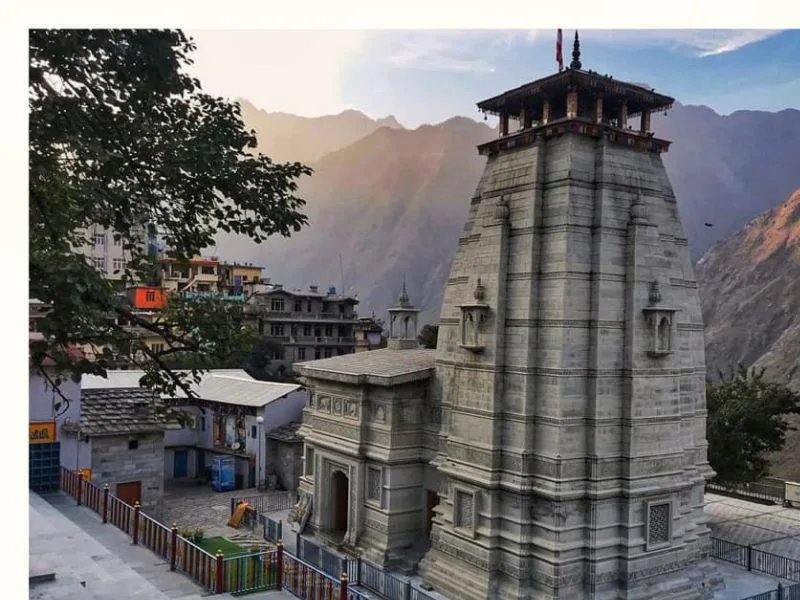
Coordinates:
[573,406]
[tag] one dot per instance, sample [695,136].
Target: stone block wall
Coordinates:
[113,462]
[285,459]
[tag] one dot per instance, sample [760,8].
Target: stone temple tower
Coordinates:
[570,368]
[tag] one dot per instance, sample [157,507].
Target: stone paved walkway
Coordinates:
[193,506]
[773,529]
[98,562]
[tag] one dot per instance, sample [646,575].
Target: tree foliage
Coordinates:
[122,137]
[428,336]
[745,422]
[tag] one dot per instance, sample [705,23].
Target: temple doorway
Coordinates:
[341,499]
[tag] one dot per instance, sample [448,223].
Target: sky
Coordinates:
[427,76]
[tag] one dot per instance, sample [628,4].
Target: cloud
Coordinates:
[467,51]
[702,42]
[278,70]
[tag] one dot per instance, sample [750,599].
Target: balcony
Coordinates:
[282,315]
[312,340]
[214,295]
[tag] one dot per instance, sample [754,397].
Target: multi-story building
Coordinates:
[307,324]
[106,252]
[369,334]
[198,274]
[236,279]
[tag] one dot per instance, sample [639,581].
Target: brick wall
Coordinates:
[114,462]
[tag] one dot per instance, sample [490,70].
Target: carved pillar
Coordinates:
[503,124]
[645,121]
[546,112]
[598,109]
[623,115]
[572,103]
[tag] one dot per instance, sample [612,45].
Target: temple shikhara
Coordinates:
[553,445]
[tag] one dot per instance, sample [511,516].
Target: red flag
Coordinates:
[559,57]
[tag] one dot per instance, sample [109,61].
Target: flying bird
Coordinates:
[708,224]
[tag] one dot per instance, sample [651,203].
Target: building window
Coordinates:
[659,521]
[309,306]
[298,306]
[207,270]
[328,330]
[328,352]
[276,330]
[244,277]
[253,431]
[150,296]
[133,444]
[119,264]
[118,240]
[374,484]
[99,263]
[301,354]
[277,304]
[202,423]
[317,353]
[157,347]
[307,330]
[309,462]
[99,239]
[464,510]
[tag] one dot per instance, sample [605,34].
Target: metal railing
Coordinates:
[757,560]
[266,503]
[761,492]
[258,571]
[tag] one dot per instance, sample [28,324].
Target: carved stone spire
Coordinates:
[403,300]
[576,53]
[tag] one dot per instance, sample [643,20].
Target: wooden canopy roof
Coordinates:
[639,98]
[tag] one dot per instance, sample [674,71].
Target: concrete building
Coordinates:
[53,422]
[106,252]
[198,274]
[307,324]
[223,421]
[284,458]
[553,445]
[125,439]
[235,278]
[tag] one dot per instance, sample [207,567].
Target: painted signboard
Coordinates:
[43,432]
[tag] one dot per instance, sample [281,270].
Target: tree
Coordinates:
[428,336]
[745,422]
[123,138]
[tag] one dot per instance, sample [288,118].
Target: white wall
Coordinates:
[41,401]
[285,410]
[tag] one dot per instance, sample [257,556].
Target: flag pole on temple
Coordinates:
[559,55]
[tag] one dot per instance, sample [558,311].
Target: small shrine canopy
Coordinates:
[613,92]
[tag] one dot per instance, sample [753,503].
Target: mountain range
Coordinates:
[750,290]
[386,202]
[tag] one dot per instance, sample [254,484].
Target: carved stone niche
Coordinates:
[473,314]
[660,324]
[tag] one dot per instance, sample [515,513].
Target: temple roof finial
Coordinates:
[576,53]
[404,295]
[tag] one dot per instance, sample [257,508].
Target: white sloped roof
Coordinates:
[242,392]
[229,386]
[130,379]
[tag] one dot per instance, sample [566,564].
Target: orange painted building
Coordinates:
[146,297]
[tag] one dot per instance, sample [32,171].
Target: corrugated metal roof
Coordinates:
[130,379]
[243,392]
[229,386]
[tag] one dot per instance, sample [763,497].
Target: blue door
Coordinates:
[181,464]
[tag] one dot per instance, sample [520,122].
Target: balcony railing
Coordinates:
[217,295]
[314,340]
[267,313]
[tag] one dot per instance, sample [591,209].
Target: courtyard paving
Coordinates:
[191,505]
[773,529]
[98,562]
